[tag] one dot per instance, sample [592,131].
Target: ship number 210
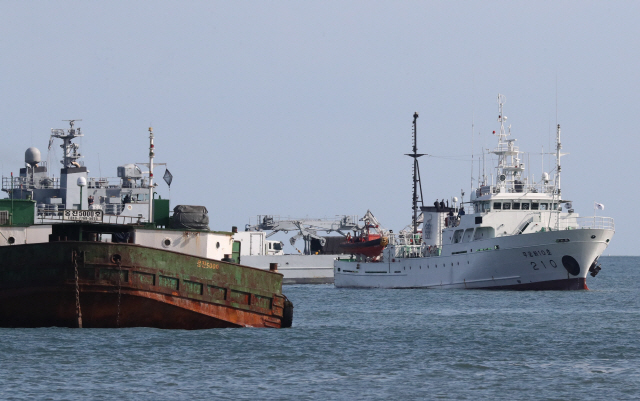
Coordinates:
[551,262]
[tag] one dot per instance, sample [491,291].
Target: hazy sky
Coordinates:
[304,108]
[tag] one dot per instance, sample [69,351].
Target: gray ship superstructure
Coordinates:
[121,199]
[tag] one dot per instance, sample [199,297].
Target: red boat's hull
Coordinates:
[371,248]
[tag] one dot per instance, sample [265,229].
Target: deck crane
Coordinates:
[306,228]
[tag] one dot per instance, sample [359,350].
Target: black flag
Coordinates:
[167,177]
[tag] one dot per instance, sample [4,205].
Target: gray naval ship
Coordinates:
[112,200]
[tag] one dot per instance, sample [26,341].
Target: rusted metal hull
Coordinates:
[125,285]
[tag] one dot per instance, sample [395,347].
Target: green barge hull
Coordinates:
[108,285]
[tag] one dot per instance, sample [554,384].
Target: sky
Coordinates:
[304,108]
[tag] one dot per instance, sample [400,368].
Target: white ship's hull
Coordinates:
[535,261]
[296,269]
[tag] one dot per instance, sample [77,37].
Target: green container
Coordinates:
[161,212]
[20,212]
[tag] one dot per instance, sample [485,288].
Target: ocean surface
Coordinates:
[348,344]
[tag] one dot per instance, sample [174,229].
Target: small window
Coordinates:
[506,206]
[525,206]
[457,236]
[269,245]
[555,206]
[487,206]
[516,205]
[543,206]
[497,205]
[534,206]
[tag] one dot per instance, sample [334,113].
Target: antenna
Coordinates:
[151,154]
[472,129]
[556,97]
[416,174]
[558,147]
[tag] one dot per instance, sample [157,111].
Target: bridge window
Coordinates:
[516,205]
[543,206]
[525,205]
[534,206]
[506,206]
[497,205]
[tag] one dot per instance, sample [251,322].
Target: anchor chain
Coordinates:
[119,291]
[74,257]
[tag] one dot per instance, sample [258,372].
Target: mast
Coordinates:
[557,191]
[416,174]
[558,147]
[70,149]
[509,169]
[151,154]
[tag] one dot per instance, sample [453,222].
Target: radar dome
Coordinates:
[32,156]
[545,176]
[455,199]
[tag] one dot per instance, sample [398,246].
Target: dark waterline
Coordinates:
[360,344]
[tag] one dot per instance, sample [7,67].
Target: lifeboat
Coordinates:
[369,245]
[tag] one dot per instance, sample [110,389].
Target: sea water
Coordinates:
[349,344]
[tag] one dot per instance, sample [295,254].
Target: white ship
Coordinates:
[519,234]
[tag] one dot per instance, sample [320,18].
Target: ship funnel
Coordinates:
[32,157]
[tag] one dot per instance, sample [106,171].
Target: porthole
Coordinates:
[571,264]
[11,240]
[593,237]
[166,242]
[217,245]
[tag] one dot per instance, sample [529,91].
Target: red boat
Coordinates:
[365,242]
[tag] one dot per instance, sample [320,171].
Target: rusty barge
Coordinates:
[94,284]
[116,257]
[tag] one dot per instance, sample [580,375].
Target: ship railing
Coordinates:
[512,187]
[48,217]
[116,219]
[452,221]
[407,251]
[50,210]
[116,182]
[528,219]
[593,222]
[415,251]
[286,223]
[410,245]
[409,239]
[25,183]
